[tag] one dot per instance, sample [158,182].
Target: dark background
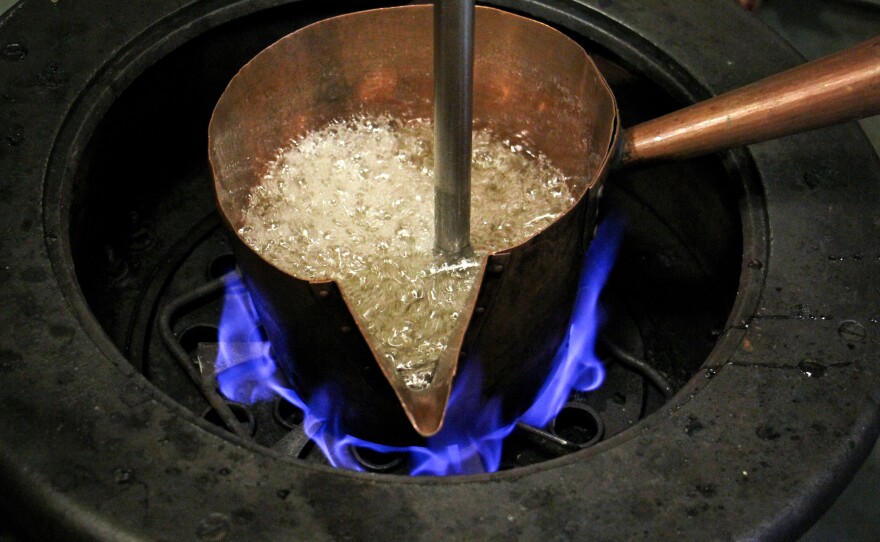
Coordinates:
[815,28]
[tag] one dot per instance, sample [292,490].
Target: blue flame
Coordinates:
[465,444]
[576,366]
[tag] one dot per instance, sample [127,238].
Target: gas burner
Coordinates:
[188,328]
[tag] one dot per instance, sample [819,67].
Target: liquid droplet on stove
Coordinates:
[851,331]
[742,324]
[14,52]
[811,368]
[213,527]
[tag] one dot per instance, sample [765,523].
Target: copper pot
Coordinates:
[526,76]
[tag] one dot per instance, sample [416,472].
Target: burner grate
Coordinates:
[188,324]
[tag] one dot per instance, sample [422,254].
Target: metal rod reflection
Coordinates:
[453,103]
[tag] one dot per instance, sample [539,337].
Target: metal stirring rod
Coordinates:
[453,102]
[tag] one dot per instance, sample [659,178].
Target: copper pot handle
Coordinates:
[836,88]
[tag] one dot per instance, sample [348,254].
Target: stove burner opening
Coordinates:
[240,366]
[578,424]
[667,301]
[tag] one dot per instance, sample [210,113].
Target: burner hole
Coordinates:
[578,424]
[192,336]
[221,265]
[287,414]
[375,461]
[242,413]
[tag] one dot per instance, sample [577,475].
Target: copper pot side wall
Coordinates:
[528,77]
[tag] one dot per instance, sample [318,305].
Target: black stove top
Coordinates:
[744,280]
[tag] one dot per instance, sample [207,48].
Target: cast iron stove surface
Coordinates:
[755,445]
